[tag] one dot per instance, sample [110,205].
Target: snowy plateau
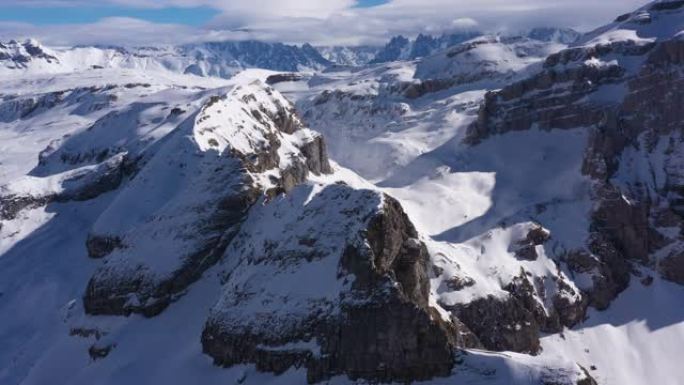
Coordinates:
[471,208]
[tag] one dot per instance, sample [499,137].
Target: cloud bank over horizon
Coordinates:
[320,22]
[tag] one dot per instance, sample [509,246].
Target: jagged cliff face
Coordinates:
[15,55]
[234,159]
[621,84]
[361,307]
[348,56]
[401,48]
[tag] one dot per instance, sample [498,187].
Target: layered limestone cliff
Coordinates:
[624,85]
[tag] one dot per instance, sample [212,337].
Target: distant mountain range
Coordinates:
[221,59]
[224,59]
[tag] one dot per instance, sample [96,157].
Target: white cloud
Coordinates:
[114,30]
[313,8]
[376,24]
[325,21]
[465,23]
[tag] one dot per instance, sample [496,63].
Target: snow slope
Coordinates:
[381,117]
[70,134]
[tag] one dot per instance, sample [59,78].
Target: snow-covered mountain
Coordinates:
[575,143]
[402,48]
[558,35]
[502,210]
[381,117]
[215,215]
[16,55]
[223,59]
[349,56]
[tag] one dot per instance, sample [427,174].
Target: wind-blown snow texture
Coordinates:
[154,222]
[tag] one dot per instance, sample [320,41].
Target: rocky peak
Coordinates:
[392,51]
[251,53]
[401,48]
[16,55]
[424,45]
[349,56]
[558,35]
[366,313]
[236,148]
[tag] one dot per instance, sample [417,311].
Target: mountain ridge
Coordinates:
[225,59]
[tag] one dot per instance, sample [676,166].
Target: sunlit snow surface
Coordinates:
[44,265]
[468,204]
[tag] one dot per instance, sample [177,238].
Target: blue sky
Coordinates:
[51,15]
[90,14]
[371,3]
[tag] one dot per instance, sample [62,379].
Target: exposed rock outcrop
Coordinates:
[672,268]
[284,77]
[566,309]
[376,325]
[526,249]
[626,92]
[501,324]
[101,246]
[78,185]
